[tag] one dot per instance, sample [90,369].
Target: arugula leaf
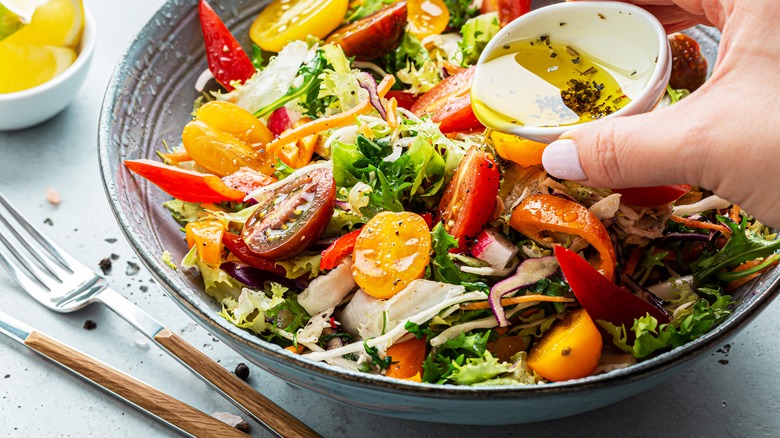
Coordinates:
[650,261]
[418,331]
[554,287]
[442,266]
[417,173]
[476,34]
[743,245]
[382,363]
[650,337]
[307,91]
[460,11]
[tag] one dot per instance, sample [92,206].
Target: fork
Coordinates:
[61,283]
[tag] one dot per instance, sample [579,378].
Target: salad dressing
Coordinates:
[551,84]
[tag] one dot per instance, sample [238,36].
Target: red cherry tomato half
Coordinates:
[449,103]
[291,217]
[470,198]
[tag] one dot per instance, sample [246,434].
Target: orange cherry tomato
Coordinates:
[392,250]
[517,149]
[207,236]
[408,357]
[539,213]
[224,137]
[570,350]
[427,17]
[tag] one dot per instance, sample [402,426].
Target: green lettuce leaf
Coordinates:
[185,212]
[477,370]
[476,33]
[301,265]
[442,267]
[365,8]
[250,309]
[651,337]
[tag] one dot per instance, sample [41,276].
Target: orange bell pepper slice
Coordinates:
[298,154]
[185,185]
[207,236]
[540,213]
[408,357]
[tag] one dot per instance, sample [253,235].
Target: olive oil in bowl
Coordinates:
[543,83]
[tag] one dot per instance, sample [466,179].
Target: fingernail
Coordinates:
[560,159]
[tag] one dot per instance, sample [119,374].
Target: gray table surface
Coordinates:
[724,395]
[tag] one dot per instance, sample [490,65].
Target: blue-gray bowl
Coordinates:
[149,100]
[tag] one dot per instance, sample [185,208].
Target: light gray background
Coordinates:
[725,395]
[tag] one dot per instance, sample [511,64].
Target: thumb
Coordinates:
[635,151]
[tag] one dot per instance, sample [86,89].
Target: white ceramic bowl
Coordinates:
[618,33]
[30,107]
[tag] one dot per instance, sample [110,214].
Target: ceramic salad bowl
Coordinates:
[148,101]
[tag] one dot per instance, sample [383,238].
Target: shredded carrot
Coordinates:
[298,350]
[736,210]
[701,225]
[501,330]
[633,260]
[517,300]
[176,157]
[749,265]
[334,121]
[392,116]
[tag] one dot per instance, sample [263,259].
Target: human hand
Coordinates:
[721,137]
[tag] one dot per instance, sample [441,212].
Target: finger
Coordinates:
[636,151]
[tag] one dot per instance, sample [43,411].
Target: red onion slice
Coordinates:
[367,82]
[529,272]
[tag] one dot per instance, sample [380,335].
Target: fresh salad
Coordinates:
[341,200]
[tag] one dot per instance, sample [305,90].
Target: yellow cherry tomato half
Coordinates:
[393,249]
[283,21]
[570,350]
[427,17]
[224,137]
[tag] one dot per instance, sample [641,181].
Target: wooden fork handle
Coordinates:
[167,408]
[263,409]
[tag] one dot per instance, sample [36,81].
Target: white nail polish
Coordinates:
[560,159]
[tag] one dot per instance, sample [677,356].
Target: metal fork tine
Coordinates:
[53,268]
[32,287]
[58,254]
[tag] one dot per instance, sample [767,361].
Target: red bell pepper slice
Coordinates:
[235,244]
[342,247]
[227,60]
[185,185]
[652,196]
[601,298]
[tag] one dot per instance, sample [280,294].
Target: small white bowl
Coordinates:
[613,31]
[30,107]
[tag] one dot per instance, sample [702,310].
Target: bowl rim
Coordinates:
[86,48]
[234,337]
[661,72]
